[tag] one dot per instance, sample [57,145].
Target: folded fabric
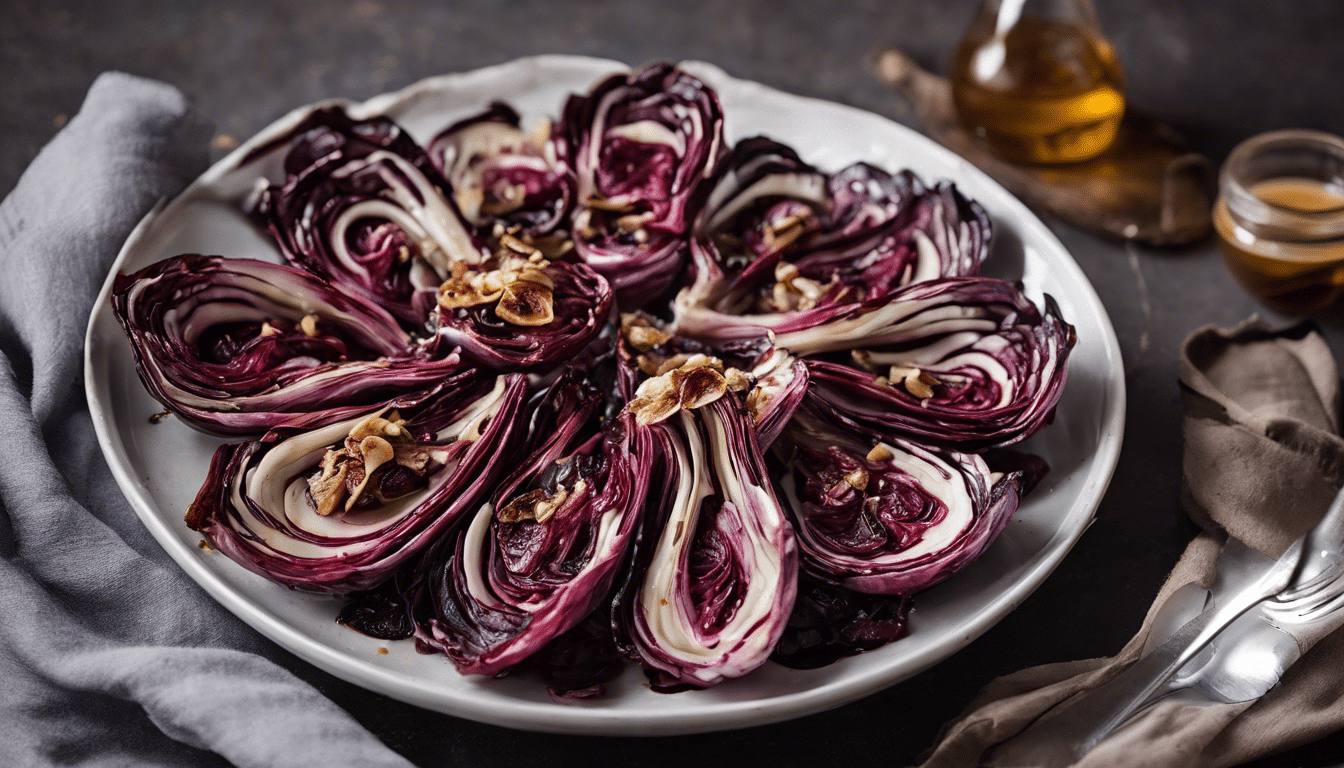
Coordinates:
[108,653]
[1263,460]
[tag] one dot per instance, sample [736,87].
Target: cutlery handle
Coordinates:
[1096,714]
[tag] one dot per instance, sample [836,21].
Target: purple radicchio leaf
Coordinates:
[895,520]
[363,206]
[717,569]
[639,145]
[830,623]
[577,300]
[498,173]
[780,244]
[962,363]
[544,552]
[578,664]
[337,509]
[237,346]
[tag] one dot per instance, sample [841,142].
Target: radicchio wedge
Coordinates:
[717,570]
[639,145]
[893,521]
[543,553]
[779,243]
[363,206]
[962,363]
[337,509]
[499,173]
[237,346]
[513,313]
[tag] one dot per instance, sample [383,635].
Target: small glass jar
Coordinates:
[1280,218]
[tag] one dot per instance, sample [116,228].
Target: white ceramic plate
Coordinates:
[160,466]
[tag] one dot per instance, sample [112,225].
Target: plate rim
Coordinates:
[546,716]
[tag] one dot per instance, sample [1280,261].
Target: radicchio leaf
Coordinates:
[543,553]
[830,622]
[363,206]
[717,572]
[962,363]
[639,145]
[577,299]
[780,244]
[499,173]
[894,521]
[317,510]
[237,346]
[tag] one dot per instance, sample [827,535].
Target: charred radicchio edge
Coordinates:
[473,405]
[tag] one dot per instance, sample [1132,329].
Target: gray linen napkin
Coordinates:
[109,655]
[1263,460]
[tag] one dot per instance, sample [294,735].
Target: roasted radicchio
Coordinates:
[363,206]
[542,554]
[550,398]
[236,346]
[337,509]
[640,145]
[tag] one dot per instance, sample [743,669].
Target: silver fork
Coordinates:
[1302,590]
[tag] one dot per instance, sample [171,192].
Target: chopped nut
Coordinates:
[517,246]
[308,325]
[633,222]
[737,380]
[381,651]
[862,358]
[672,363]
[858,479]
[403,255]
[696,382]
[785,272]
[881,453]
[918,383]
[640,333]
[535,505]
[155,418]
[701,386]
[267,329]
[205,545]
[756,402]
[614,206]
[646,365]
[526,304]
[328,488]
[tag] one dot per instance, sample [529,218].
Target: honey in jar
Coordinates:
[1280,219]
[1038,81]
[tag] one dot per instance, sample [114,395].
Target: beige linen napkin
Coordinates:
[1263,460]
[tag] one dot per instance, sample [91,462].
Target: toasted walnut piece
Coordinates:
[647,365]
[328,487]
[535,505]
[672,363]
[267,329]
[881,453]
[376,452]
[526,304]
[645,338]
[633,222]
[737,380]
[517,246]
[308,325]
[881,381]
[403,255]
[862,358]
[918,383]
[703,361]
[785,272]
[466,291]
[858,479]
[700,387]
[377,425]
[756,402]
[613,206]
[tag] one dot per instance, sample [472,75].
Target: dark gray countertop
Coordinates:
[1218,71]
